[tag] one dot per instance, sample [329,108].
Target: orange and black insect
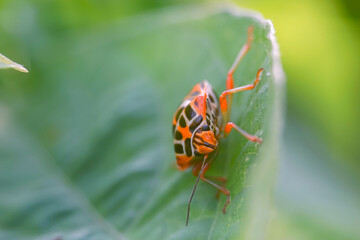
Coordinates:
[202,120]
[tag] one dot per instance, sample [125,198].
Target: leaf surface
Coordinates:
[86,153]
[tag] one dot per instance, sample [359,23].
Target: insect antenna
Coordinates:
[193,191]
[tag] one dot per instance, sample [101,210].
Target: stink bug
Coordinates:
[202,120]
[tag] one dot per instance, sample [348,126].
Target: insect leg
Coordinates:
[220,188]
[196,170]
[224,103]
[201,172]
[230,125]
[220,179]
[239,57]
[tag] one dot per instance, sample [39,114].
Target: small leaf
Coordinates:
[7,63]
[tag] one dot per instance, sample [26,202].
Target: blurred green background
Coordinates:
[318,185]
[318,193]
[320,51]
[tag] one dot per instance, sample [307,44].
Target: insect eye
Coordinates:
[206,127]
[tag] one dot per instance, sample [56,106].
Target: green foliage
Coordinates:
[86,148]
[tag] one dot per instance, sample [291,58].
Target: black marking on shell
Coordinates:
[195,123]
[173,128]
[188,147]
[208,122]
[189,112]
[201,142]
[178,148]
[205,127]
[182,122]
[196,103]
[197,141]
[177,115]
[178,135]
[211,98]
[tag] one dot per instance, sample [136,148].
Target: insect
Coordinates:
[202,119]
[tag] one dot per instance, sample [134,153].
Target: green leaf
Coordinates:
[7,63]
[86,153]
